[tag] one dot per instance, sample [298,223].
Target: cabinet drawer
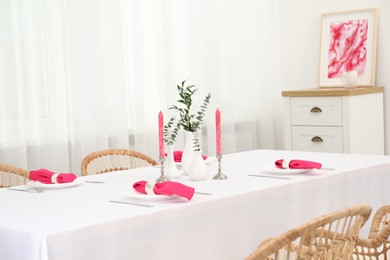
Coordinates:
[317,139]
[321,111]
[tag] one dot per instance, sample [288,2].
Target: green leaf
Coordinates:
[187,120]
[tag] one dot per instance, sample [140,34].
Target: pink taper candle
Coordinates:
[218,128]
[161,133]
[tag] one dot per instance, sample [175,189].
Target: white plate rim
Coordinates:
[38,184]
[274,169]
[136,195]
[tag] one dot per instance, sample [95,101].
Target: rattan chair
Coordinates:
[330,236]
[12,176]
[114,160]
[378,243]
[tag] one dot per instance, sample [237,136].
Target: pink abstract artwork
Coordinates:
[347,47]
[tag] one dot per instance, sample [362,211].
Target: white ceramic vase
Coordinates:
[188,151]
[170,167]
[350,79]
[198,169]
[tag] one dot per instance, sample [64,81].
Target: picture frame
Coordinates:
[348,42]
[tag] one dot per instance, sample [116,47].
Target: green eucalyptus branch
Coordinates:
[196,146]
[171,130]
[188,121]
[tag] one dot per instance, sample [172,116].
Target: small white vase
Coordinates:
[188,151]
[198,169]
[350,79]
[170,167]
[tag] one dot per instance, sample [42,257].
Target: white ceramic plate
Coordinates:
[274,169]
[136,195]
[41,185]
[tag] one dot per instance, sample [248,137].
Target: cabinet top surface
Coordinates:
[327,92]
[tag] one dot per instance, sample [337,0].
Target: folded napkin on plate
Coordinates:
[48,177]
[164,188]
[178,154]
[297,164]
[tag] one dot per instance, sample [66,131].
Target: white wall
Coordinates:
[300,46]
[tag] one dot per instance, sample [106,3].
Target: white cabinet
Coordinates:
[335,120]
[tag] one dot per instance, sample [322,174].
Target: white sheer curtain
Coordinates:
[83,75]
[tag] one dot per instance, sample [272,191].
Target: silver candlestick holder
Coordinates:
[162,176]
[219,175]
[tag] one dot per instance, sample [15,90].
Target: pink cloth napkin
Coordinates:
[297,164]
[178,154]
[48,177]
[165,188]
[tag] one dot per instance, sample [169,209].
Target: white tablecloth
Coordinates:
[79,222]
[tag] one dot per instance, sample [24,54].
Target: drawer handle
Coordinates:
[317,139]
[316,110]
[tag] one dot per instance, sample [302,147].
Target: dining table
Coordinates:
[103,217]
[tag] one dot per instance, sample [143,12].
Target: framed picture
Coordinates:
[348,43]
